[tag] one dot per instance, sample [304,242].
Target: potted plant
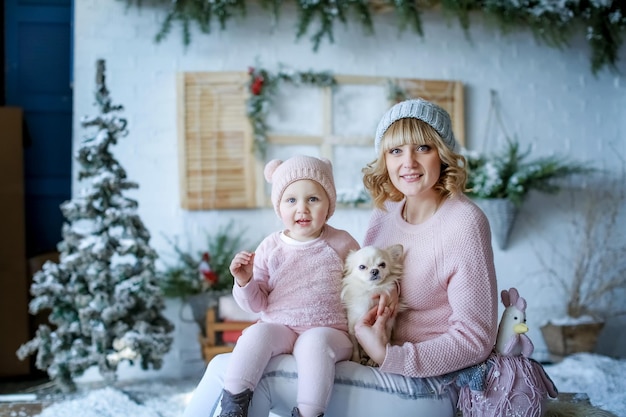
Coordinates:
[587,268]
[500,181]
[201,277]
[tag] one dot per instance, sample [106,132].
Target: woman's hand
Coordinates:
[241,267]
[371,334]
[390,300]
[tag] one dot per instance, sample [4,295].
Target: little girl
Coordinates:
[294,280]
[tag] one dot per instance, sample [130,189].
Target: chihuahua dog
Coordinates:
[368,273]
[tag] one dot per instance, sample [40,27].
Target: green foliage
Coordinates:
[198,11]
[553,22]
[508,174]
[328,12]
[556,22]
[395,93]
[183,279]
[408,14]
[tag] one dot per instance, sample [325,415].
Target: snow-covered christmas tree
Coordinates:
[103,296]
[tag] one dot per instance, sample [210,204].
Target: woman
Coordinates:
[449,284]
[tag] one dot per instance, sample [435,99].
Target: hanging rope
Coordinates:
[494,123]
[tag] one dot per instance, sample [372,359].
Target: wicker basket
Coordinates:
[563,340]
[501,213]
[200,303]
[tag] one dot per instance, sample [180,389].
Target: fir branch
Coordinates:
[461,9]
[508,174]
[202,13]
[552,25]
[604,32]
[274,8]
[225,10]
[551,22]
[166,27]
[408,13]
[326,11]
[361,9]
[182,278]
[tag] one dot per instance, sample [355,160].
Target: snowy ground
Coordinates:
[603,379]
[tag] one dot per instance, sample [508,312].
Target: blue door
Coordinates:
[38,62]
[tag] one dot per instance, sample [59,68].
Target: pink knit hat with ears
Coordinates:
[281,174]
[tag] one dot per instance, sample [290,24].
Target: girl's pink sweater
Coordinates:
[449,285]
[299,285]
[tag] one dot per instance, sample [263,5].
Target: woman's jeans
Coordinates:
[359,391]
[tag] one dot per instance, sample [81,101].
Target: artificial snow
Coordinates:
[571,321]
[602,378]
[105,402]
[141,399]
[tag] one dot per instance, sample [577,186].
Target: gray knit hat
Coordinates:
[281,174]
[420,109]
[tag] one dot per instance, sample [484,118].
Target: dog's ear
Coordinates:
[347,265]
[395,251]
[351,254]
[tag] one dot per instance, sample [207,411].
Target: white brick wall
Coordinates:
[549,99]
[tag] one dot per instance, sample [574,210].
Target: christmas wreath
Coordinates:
[263,86]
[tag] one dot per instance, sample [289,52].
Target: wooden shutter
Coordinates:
[216,161]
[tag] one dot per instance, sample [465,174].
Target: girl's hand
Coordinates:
[241,267]
[371,334]
[390,300]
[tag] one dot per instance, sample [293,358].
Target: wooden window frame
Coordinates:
[216,175]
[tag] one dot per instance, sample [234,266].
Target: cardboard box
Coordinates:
[14,318]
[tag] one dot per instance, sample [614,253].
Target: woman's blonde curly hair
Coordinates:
[413,131]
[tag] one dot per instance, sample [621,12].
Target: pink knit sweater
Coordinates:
[299,285]
[449,285]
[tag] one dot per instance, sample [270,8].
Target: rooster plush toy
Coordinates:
[514,384]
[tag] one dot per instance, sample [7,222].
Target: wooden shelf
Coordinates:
[211,343]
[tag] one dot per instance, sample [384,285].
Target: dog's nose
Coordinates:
[374,273]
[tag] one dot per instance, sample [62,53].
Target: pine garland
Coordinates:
[554,23]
